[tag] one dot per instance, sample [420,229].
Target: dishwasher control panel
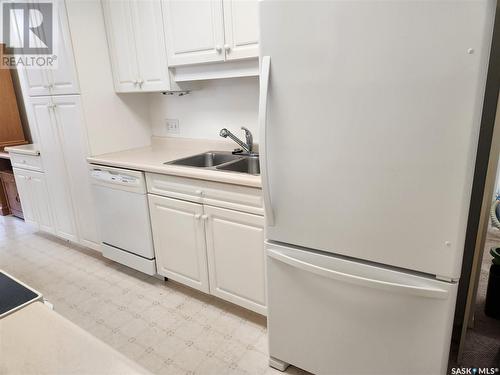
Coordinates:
[110,176]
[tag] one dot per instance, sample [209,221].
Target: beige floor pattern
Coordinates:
[165,327]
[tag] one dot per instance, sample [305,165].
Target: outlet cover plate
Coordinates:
[172,126]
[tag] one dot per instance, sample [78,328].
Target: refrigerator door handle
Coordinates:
[264,87]
[427,292]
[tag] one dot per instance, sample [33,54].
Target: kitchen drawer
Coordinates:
[31,162]
[234,197]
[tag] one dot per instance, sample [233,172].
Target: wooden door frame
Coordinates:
[482,191]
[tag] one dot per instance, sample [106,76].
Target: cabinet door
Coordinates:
[27,200]
[150,45]
[36,81]
[63,78]
[121,43]
[179,241]
[34,196]
[43,116]
[195,32]
[74,150]
[241,29]
[236,261]
[40,196]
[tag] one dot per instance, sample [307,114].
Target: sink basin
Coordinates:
[206,160]
[248,164]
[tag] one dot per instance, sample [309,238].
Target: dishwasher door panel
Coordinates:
[124,220]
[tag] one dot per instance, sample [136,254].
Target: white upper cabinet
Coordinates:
[210,31]
[136,41]
[195,31]
[240,29]
[62,78]
[122,46]
[150,45]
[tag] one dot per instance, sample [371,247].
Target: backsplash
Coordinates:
[212,105]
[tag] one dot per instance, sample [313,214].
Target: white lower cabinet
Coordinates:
[210,236]
[179,241]
[34,199]
[236,261]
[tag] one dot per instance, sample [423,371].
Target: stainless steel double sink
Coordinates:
[223,161]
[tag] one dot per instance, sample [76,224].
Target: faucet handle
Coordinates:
[248,137]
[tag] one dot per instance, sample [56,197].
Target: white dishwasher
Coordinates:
[123,216]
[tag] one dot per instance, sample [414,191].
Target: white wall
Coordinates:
[114,122]
[212,105]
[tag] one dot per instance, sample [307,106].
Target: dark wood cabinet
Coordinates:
[11,130]
[11,134]
[10,189]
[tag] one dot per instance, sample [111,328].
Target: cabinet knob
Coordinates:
[227,47]
[218,48]
[141,81]
[204,217]
[197,216]
[199,192]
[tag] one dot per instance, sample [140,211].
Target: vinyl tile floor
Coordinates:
[165,327]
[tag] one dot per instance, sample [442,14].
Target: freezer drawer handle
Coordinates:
[358,280]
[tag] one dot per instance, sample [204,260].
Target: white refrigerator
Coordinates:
[369,120]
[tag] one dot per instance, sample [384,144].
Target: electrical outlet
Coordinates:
[172,126]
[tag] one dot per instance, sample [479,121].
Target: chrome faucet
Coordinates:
[247,147]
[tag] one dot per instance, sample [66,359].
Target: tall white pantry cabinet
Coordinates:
[57,124]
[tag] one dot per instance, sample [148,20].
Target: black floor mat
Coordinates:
[13,294]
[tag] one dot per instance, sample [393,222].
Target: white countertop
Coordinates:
[152,159]
[37,340]
[30,149]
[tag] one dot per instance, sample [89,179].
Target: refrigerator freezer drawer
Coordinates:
[330,315]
